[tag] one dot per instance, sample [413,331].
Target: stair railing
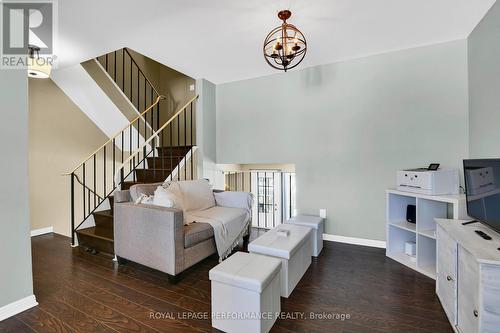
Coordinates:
[128,76]
[177,132]
[92,180]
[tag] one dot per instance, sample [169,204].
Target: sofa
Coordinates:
[159,237]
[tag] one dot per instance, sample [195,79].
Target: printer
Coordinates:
[429,181]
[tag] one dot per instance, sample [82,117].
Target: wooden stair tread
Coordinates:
[105,213]
[95,232]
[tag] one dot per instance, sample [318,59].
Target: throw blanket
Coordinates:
[229,223]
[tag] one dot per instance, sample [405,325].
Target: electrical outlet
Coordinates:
[191,87]
[322,213]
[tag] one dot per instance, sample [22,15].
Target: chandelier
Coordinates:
[285,46]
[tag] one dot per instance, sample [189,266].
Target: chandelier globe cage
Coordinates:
[285,46]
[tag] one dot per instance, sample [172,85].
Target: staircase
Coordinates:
[99,238]
[162,152]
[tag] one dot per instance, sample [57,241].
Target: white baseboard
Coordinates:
[42,231]
[355,241]
[16,307]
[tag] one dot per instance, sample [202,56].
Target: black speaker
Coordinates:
[411,213]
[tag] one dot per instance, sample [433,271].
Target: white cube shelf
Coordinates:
[423,232]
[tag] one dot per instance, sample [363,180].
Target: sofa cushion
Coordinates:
[196,194]
[196,233]
[166,198]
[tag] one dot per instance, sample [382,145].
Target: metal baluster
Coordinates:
[152,110]
[106,62]
[185,127]
[131,72]
[162,141]
[123,70]
[88,199]
[138,90]
[121,170]
[95,171]
[114,71]
[130,148]
[72,208]
[83,187]
[154,160]
[191,139]
[170,149]
[104,189]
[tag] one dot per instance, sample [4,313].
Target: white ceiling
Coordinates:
[221,40]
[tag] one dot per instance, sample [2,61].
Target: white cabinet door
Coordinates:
[446,273]
[468,292]
[490,299]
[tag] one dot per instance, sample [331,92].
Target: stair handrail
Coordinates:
[88,188]
[154,136]
[140,116]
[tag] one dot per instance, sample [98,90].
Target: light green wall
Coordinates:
[15,245]
[349,126]
[484,86]
[206,131]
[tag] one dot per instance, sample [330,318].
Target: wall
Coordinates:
[61,135]
[349,126]
[484,86]
[206,133]
[16,281]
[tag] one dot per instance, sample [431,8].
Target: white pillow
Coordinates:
[166,198]
[144,199]
[196,194]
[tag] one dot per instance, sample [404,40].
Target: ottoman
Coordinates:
[293,250]
[245,293]
[317,224]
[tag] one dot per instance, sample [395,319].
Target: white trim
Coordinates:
[16,307]
[355,241]
[42,231]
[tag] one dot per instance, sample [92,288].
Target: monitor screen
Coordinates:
[482,187]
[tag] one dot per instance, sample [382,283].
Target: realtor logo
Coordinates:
[26,23]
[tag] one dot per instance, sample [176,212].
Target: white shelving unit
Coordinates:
[423,232]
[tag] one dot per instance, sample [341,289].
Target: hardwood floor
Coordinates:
[81,292]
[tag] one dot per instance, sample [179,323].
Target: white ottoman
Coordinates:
[318,226]
[293,250]
[245,293]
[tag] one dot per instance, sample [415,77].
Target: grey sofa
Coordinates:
[156,236]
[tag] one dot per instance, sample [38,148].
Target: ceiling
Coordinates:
[221,40]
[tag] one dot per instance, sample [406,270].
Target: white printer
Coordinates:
[430,181]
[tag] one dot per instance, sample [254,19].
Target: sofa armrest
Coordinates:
[150,235]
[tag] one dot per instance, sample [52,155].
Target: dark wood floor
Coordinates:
[81,292]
